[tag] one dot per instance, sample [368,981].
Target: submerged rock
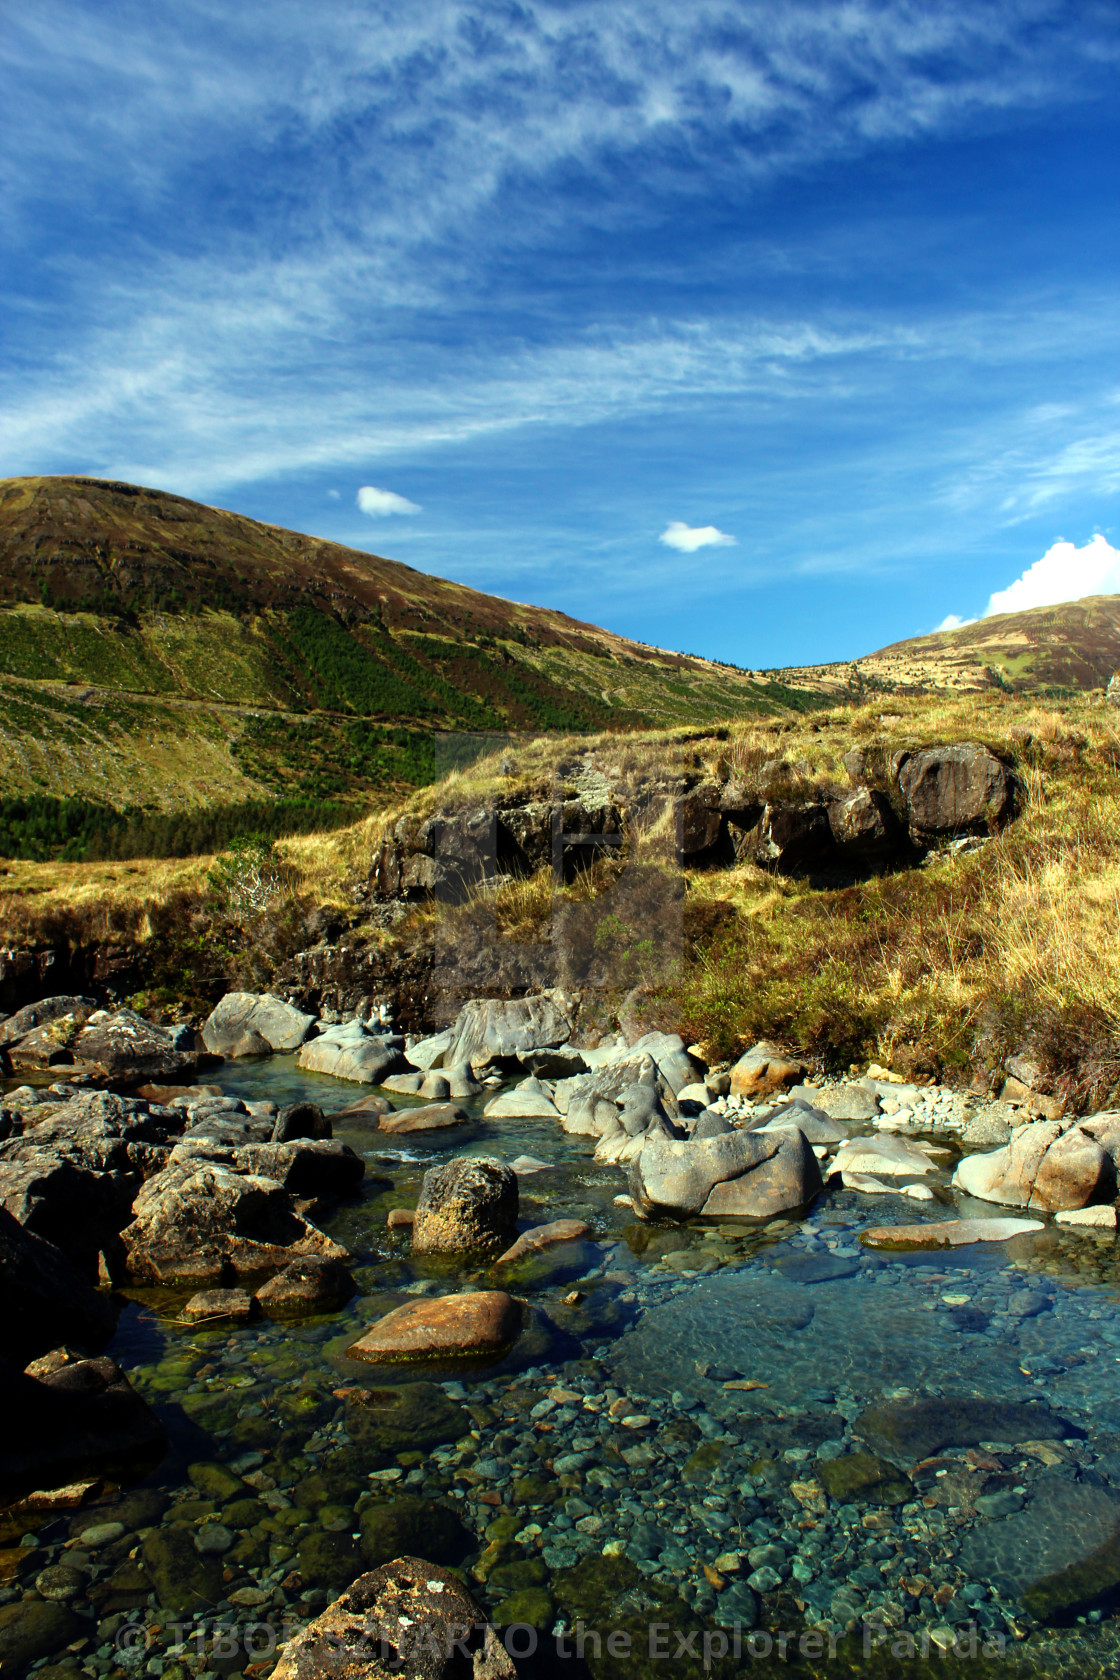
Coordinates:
[542,1238]
[861,1478]
[910,1430]
[311,1284]
[220,1303]
[1060,1557]
[408,1417]
[484,1324]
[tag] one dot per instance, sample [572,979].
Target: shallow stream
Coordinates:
[727,1497]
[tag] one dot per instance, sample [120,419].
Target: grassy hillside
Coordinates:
[157,655]
[1011,947]
[1066,648]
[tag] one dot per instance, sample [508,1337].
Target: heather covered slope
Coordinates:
[1070,647]
[157,653]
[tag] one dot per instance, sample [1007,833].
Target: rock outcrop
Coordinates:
[205,1219]
[490,1030]
[351,1052]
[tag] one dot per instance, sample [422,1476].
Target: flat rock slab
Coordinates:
[542,1238]
[949,1233]
[1089,1218]
[1059,1556]
[861,1478]
[911,1430]
[364,1060]
[484,1324]
[220,1303]
[884,1157]
[433,1117]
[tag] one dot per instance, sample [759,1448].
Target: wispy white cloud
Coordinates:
[688,538]
[380,503]
[952,621]
[1064,573]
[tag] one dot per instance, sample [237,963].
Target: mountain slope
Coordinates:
[1072,646]
[158,653]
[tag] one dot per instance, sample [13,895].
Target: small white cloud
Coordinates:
[952,621]
[1064,573]
[688,538]
[334,495]
[379,503]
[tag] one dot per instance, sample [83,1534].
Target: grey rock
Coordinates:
[41,1014]
[279,1024]
[428,1053]
[366,1060]
[488,1029]
[851,1104]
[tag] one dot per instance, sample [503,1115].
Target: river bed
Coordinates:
[750,1430]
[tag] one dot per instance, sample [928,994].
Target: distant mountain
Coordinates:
[1072,646]
[156,652]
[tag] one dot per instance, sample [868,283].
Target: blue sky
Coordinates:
[833,283]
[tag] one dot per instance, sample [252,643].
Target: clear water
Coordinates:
[750,1353]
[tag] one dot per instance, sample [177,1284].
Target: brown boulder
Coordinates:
[220,1303]
[1042,1167]
[794,839]
[863,826]
[410,1617]
[763,1069]
[484,1324]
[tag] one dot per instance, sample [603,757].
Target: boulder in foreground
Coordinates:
[439,1632]
[482,1325]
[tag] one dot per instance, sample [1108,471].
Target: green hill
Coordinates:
[162,657]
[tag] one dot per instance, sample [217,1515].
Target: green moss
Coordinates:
[329,1560]
[531,1607]
[385,1422]
[862,1479]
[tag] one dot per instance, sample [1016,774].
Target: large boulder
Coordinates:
[34,1016]
[241,1014]
[72,1178]
[954,790]
[438,1631]
[308,1167]
[67,1417]
[883,1156]
[433,1117]
[465,1205]
[679,1178]
[128,1050]
[202,1221]
[46,1299]
[482,1325]
[1042,1167]
[700,821]
[488,1029]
